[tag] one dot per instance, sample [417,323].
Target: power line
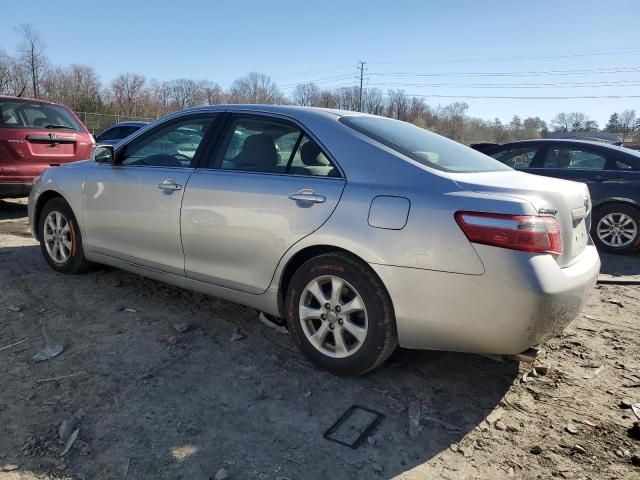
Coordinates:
[595,71]
[338,78]
[622,83]
[584,97]
[519,58]
[316,72]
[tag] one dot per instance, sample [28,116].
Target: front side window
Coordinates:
[520,157]
[574,158]
[174,145]
[22,114]
[423,146]
[271,146]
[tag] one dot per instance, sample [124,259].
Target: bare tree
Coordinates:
[327,99]
[128,90]
[186,93]
[213,93]
[398,104]
[627,123]
[31,50]
[374,101]
[6,67]
[77,86]
[255,88]
[306,94]
[561,122]
[453,117]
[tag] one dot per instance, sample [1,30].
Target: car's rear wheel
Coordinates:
[340,314]
[60,238]
[616,228]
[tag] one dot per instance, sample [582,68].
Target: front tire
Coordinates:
[340,314]
[616,228]
[60,239]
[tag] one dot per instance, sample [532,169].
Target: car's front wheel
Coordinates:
[340,314]
[60,239]
[616,228]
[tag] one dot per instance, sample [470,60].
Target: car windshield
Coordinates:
[423,146]
[24,114]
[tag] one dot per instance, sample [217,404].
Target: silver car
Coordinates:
[361,232]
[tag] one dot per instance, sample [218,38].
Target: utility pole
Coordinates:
[361,68]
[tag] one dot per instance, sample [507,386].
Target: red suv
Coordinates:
[34,135]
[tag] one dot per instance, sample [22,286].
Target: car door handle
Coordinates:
[169,184]
[307,195]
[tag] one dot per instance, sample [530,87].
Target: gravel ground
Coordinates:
[155,382]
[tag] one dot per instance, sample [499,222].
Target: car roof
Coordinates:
[288,110]
[130,124]
[26,99]
[571,141]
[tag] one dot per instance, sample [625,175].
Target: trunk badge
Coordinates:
[547,211]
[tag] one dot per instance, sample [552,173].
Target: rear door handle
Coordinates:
[308,196]
[169,184]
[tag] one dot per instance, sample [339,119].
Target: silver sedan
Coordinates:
[360,232]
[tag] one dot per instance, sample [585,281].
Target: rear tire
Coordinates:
[60,239]
[340,314]
[616,228]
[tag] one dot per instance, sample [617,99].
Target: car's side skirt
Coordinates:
[266,302]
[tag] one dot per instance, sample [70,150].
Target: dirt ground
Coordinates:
[151,385]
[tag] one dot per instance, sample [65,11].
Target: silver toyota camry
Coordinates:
[360,232]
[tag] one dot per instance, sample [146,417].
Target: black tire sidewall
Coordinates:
[605,210]
[381,333]
[76,262]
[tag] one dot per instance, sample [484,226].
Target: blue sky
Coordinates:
[294,41]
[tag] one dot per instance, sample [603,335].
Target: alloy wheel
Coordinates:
[617,230]
[333,316]
[57,237]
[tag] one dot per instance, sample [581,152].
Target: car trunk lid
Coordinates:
[568,202]
[57,147]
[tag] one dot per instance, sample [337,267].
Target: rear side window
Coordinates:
[423,146]
[110,134]
[574,158]
[620,165]
[21,114]
[520,157]
[271,146]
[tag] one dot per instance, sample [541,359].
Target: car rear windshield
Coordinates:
[24,114]
[423,146]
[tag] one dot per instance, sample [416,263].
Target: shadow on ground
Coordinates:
[150,402]
[12,209]
[620,265]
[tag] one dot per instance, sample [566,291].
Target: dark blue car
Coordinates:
[611,173]
[118,132]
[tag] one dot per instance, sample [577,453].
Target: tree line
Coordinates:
[29,73]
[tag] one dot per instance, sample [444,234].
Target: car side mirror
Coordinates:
[104,154]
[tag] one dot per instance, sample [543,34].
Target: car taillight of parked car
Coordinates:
[529,233]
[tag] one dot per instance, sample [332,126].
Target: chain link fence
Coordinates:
[96,122]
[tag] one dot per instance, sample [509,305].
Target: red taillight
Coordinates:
[539,234]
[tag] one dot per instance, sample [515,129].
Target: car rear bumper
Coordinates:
[14,189]
[520,301]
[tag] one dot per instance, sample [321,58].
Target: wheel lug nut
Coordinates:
[338,308]
[340,321]
[323,316]
[327,306]
[331,326]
